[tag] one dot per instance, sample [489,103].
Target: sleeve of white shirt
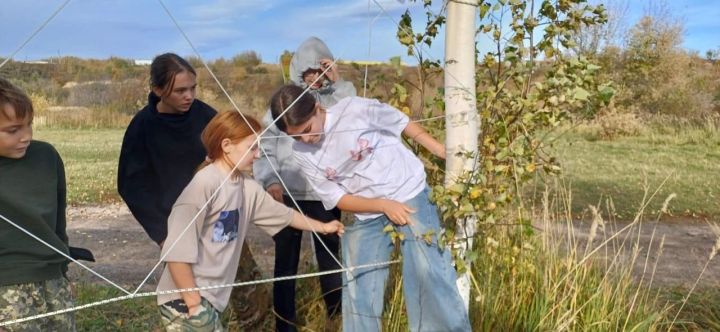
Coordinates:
[328,191]
[385,117]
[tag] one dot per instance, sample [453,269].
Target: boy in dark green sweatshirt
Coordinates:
[32,196]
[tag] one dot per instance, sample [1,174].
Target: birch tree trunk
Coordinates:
[461,122]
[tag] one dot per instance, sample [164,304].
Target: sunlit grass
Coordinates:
[622,168]
[139,314]
[90,157]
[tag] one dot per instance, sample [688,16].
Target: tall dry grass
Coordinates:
[560,276]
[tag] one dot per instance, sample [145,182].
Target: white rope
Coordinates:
[192,221]
[249,126]
[236,165]
[135,294]
[367,65]
[259,135]
[62,253]
[42,26]
[363,129]
[237,284]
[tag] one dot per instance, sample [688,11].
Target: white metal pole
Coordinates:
[461,123]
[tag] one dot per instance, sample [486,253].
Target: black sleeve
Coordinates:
[134,183]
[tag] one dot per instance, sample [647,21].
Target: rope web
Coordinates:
[260,135]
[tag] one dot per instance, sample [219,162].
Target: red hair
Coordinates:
[230,125]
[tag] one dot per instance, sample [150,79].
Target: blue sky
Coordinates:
[140,29]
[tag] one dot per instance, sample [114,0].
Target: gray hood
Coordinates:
[308,56]
[278,146]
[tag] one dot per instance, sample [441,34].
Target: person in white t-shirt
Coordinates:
[353,157]
[208,223]
[310,60]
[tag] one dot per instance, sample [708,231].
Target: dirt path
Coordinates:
[686,246]
[125,254]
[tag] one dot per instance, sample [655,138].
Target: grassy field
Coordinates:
[91,157]
[595,170]
[683,162]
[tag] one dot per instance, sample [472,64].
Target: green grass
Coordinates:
[701,312]
[142,314]
[130,315]
[621,169]
[91,157]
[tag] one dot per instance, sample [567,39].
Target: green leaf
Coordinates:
[467,208]
[593,67]
[501,168]
[400,92]
[484,10]
[581,94]
[388,228]
[457,188]
[428,237]
[549,52]
[471,256]
[460,266]
[405,40]
[605,93]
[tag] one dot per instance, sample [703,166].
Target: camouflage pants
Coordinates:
[23,300]
[175,317]
[250,304]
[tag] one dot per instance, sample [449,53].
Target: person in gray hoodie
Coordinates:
[308,63]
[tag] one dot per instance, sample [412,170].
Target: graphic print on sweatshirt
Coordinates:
[225,229]
[361,151]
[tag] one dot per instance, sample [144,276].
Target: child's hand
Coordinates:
[397,212]
[334,227]
[193,310]
[332,73]
[276,191]
[193,301]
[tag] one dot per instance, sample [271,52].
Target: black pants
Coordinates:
[287,256]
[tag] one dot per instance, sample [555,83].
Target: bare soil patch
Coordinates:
[125,254]
[669,252]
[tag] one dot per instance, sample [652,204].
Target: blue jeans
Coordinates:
[431,295]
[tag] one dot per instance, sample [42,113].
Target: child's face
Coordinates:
[310,75]
[182,94]
[312,130]
[15,134]
[243,153]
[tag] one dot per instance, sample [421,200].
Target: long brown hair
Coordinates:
[228,124]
